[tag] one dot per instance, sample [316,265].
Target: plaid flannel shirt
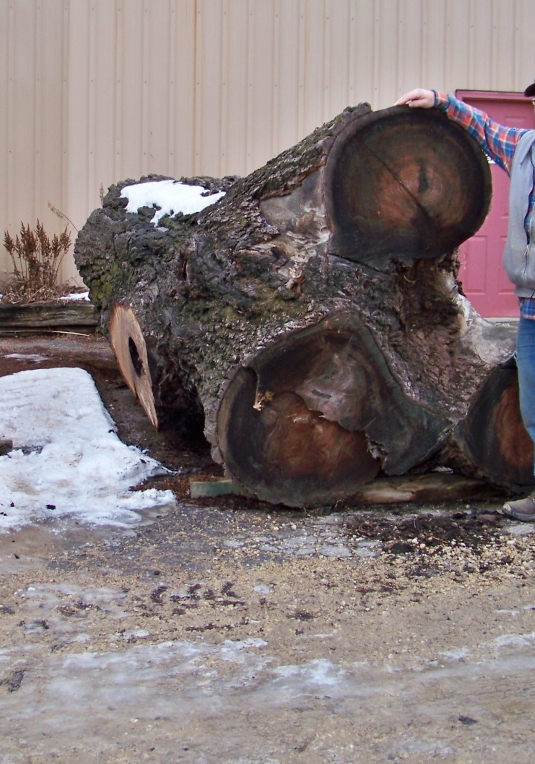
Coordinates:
[499,143]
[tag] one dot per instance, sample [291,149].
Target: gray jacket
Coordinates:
[519,253]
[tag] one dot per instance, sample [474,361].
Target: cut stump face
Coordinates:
[286,452]
[320,413]
[493,433]
[130,350]
[404,183]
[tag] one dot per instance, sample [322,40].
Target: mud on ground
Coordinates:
[231,631]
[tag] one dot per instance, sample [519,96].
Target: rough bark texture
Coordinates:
[311,318]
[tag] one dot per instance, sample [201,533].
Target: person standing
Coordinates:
[513,149]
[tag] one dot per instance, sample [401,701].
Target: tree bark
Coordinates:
[311,319]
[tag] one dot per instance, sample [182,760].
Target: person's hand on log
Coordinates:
[419,98]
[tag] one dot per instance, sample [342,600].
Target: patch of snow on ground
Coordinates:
[34,357]
[66,457]
[84,296]
[170,196]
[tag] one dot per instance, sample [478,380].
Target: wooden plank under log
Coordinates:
[310,321]
[76,315]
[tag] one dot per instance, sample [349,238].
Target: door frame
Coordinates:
[490,95]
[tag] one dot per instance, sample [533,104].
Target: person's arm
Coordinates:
[498,142]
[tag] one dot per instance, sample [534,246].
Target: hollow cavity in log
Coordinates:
[318,414]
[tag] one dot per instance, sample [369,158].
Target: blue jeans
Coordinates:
[525,361]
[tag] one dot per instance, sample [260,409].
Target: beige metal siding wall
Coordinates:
[32,72]
[95,91]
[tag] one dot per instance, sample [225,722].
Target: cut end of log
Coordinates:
[318,414]
[130,350]
[285,452]
[493,435]
[404,183]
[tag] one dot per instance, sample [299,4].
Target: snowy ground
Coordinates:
[67,459]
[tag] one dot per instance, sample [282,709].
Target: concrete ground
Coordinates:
[226,630]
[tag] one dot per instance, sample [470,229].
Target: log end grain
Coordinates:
[493,435]
[129,346]
[404,183]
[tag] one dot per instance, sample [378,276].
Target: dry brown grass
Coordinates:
[36,259]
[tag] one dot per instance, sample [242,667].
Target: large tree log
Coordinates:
[311,318]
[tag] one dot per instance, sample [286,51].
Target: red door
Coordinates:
[484,280]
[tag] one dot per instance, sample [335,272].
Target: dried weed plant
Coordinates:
[61,215]
[36,261]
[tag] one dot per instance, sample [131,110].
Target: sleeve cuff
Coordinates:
[442,100]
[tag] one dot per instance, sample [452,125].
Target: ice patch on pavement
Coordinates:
[324,537]
[67,458]
[33,357]
[319,672]
[514,640]
[148,696]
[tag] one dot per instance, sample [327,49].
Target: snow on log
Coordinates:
[308,316]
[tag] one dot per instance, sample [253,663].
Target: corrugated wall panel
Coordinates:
[110,89]
[433,45]
[181,87]
[411,43]
[288,64]
[89,112]
[80,34]
[362,43]
[158,58]
[102,92]
[260,92]
[313,71]
[337,56]
[234,86]
[456,42]
[131,92]
[386,47]
[208,86]
[31,125]
[480,26]
[524,20]
[21,106]
[49,113]
[503,43]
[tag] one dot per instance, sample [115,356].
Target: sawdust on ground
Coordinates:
[230,631]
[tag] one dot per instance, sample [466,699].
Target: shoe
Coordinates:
[521,509]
